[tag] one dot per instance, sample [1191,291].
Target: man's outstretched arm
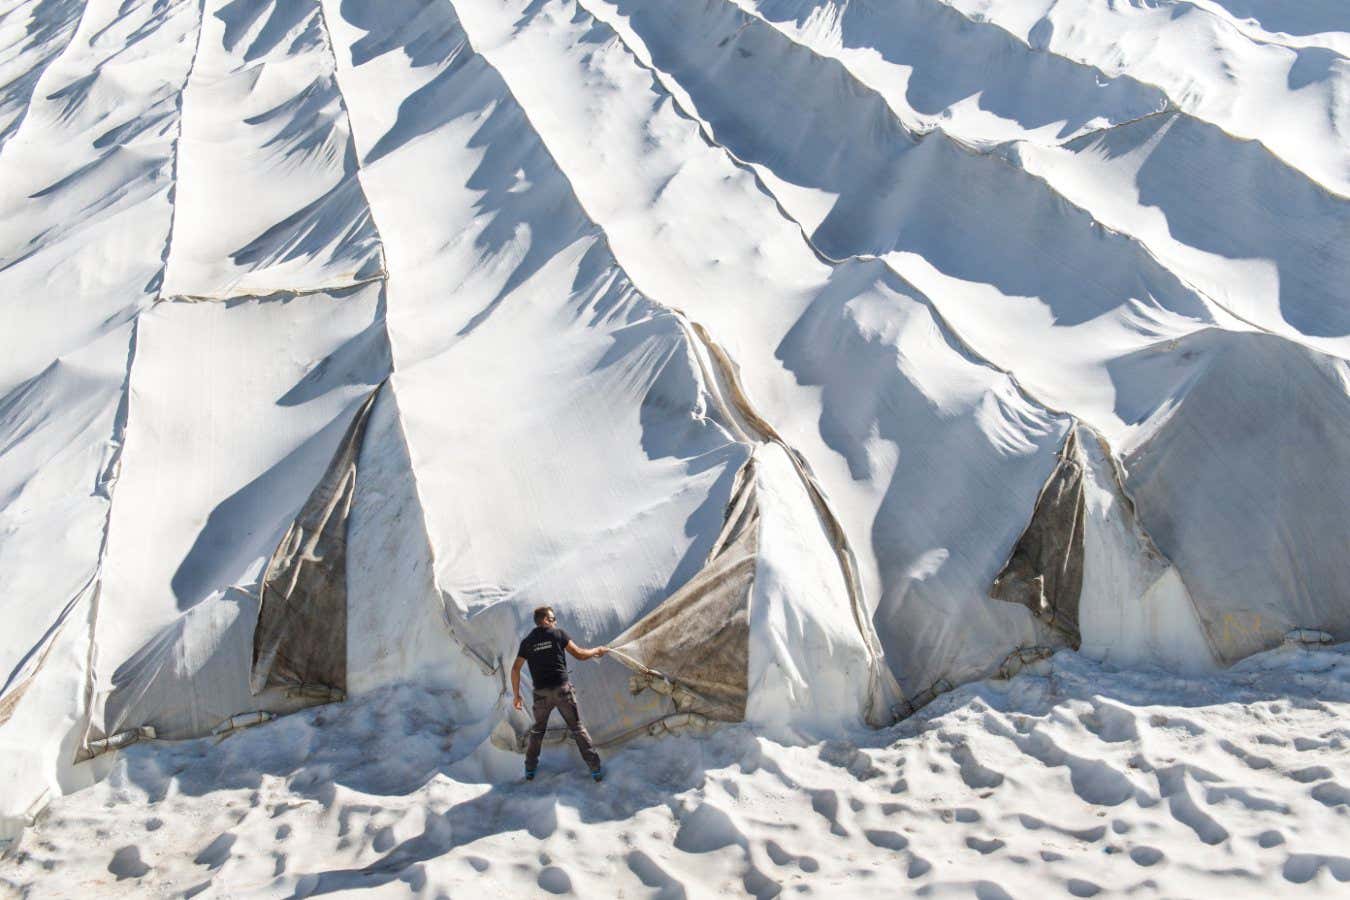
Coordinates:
[584,653]
[515,682]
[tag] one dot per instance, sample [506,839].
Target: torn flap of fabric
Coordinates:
[301,635]
[695,646]
[1045,571]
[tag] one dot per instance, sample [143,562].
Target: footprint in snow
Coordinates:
[126,863]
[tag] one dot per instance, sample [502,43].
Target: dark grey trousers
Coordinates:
[564,699]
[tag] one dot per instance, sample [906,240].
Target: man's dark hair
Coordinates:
[541,613]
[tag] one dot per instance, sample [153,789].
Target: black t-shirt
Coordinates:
[545,649]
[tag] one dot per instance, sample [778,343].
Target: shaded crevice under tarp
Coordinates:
[694,647]
[300,640]
[1045,571]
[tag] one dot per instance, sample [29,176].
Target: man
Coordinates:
[543,650]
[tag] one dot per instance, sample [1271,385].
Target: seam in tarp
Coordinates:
[278,293]
[181,99]
[106,486]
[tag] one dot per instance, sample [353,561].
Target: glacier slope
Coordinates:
[576,247]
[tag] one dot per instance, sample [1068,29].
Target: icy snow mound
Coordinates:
[343,334]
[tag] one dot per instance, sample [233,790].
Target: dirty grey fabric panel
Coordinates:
[301,635]
[1045,571]
[699,638]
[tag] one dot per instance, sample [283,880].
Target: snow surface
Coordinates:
[589,257]
[1078,779]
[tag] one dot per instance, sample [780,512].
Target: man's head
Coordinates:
[543,616]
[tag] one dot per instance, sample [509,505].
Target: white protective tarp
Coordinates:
[222,450]
[553,416]
[1238,479]
[1135,608]
[73,274]
[538,508]
[628,249]
[267,194]
[86,202]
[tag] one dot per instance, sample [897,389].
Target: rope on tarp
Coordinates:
[241,721]
[636,665]
[660,682]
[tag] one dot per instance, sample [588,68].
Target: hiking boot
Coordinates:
[598,775]
[529,774]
